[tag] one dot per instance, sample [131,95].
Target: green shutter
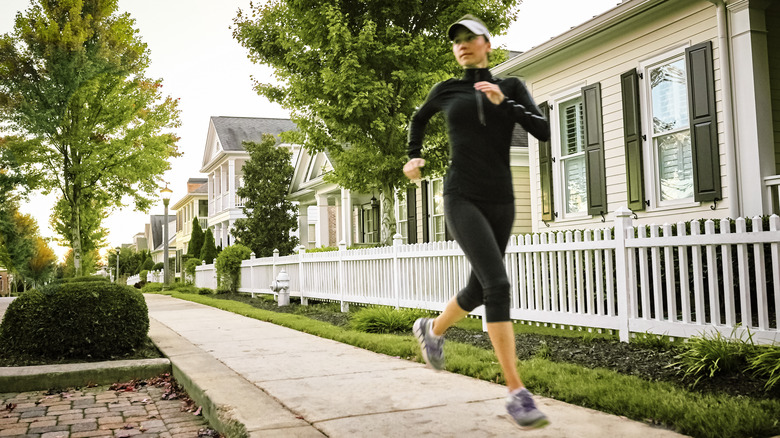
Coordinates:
[594,150]
[632,136]
[426,223]
[704,129]
[546,171]
[411,215]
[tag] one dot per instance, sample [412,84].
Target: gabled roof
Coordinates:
[232,131]
[227,134]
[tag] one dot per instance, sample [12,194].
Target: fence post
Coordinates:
[251,274]
[622,222]
[301,252]
[273,270]
[342,279]
[397,241]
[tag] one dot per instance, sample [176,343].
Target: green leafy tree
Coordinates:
[269,215]
[18,233]
[93,234]
[209,251]
[351,74]
[228,267]
[196,239]
[72,82]
[41,267]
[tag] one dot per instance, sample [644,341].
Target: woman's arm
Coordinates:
[420,120]
[526,113]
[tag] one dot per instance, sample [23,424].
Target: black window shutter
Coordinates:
[704,130]
[594,150]
[411,215]
[426,235]
[632,136]
[546,171]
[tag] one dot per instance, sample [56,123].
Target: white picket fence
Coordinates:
[151,277]
[647,279]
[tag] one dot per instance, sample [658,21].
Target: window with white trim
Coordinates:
[402,217]
[438,232]
[668,138]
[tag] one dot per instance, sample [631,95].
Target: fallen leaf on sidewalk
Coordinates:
[127,426]
[197,412]
[10,407]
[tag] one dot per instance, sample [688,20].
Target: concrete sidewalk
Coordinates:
[265,380]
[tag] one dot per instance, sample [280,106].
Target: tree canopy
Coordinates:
[270,217]
[196,239]
[352,72]
[73,86]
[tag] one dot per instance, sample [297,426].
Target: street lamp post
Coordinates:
[117,266]
[166,197]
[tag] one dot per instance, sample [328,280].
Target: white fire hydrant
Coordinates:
[281,286]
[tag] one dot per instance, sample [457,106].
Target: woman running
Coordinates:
[479,208]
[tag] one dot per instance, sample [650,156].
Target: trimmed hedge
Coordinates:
[84,320]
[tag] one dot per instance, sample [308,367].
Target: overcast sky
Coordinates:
[193,51]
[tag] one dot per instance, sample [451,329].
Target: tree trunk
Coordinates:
[387,204]
[76,234]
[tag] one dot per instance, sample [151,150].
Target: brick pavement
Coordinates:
[98,412]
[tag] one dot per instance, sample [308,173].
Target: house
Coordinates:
[154,236]
[669,107]
[5,282]
[328,213]
[140,242]
[194,204]
[223,158]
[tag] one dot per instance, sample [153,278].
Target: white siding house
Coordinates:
[659,105]
[223,158]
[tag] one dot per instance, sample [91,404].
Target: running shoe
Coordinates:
[523,411]
[432,347]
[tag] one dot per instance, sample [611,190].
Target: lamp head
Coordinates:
[166,193]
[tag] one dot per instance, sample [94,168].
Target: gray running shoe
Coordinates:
[432,347]
[522,409]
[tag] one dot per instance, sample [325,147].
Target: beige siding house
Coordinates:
[660,105]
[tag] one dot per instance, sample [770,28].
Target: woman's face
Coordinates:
[469,49]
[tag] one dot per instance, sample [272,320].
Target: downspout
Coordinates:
[728,108]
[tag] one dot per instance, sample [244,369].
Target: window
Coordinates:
[572,174]
[573,178]
[438,228]
[370,222]
[670,134]
[203,208]
[402,217]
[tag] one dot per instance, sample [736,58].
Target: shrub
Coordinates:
[152,287]
[386,319]
[765,363]
[323,249]
[84,320]
[144,274]
[205,291]
[209,251]
[189,269]
[709,355]
[228,266]
[158,266]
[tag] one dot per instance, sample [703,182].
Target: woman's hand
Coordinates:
[412,168]
[492,91]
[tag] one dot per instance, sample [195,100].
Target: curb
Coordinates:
[231,404]
[40,377]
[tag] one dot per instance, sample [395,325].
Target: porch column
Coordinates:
[346,216]
[303,225]
[231,183]
[210,189]
[323,224]
[753,108]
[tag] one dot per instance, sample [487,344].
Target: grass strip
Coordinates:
[661,403]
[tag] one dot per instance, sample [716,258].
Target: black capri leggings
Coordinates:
[482,230]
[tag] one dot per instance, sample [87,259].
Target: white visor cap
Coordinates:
[475,27]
